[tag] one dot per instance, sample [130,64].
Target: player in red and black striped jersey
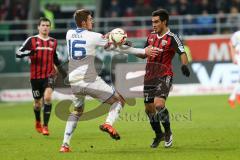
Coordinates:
[42,53]
[41,50]
[158,77]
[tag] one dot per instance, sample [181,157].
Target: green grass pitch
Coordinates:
[204,127]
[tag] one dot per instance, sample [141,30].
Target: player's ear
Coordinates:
[165,22]
[84,24]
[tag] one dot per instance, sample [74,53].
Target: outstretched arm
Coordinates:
[139,52]
[126,48]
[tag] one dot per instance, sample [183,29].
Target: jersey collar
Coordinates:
[79,30]
[45,39]
[163,34]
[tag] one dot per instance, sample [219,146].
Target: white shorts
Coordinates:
[98,89]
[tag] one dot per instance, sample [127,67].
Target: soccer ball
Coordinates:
[118,36]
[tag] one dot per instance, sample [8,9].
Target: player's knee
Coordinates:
[120,99]
[159,105]
[116,98]
[37,104]
[78,111]
[48,99]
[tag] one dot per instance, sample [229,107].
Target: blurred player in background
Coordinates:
[83,78]
[42,52]
[235,54]
[159,75]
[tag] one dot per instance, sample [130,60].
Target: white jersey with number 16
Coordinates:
[81,46]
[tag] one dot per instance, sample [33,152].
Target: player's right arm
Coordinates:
[103,40]
[139,52]
[150,51]
[143,56]
[25,49]
[232,45]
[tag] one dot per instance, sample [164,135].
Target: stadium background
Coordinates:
[209,128]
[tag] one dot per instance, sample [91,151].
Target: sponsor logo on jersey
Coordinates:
[43,48]
[51,43]
[164,42]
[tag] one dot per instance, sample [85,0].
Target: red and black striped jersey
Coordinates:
[43,56]
[167,45]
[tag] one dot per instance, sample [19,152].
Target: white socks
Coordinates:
[73,120]
[70,127]
[114,113]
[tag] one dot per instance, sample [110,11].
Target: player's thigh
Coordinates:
[117,97]
[78,88]
[163,86]
[37,88]
[100,89]
[148,92]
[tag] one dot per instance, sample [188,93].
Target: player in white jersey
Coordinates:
[235,54]
[83,78]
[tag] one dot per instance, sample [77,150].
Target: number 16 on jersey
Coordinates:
[76,49]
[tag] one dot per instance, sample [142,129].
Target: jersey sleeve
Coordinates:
[101,40]
[146,43]
[178,45]
[25,49]
[55,56]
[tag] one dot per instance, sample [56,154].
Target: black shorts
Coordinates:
[158,87]
[39,86]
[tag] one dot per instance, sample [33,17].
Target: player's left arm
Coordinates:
[57,64]
[139,52]
[179,48]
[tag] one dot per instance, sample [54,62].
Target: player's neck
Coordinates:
[43,36]
[165,30]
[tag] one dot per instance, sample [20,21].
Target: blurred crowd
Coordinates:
[17,10]
[13,9]
[206,24]
[116,8]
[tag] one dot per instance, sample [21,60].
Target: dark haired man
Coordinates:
[41,50]
[159,74]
